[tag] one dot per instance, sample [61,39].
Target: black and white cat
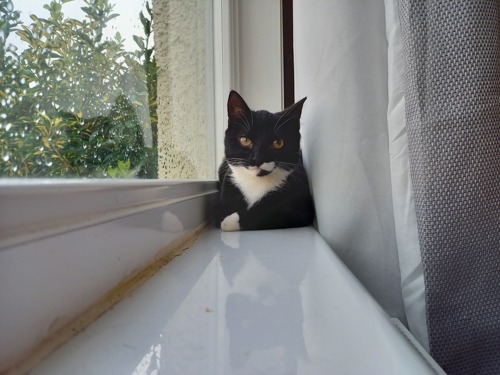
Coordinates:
[262,181]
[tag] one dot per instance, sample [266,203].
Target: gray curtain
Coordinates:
[452,90]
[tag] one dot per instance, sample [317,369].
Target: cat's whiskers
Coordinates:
[294,170]
[243,125]
[277,122]
[224,168]
[277,128]
[288,164]
[245,120]
[236,161]
[285,112]
[294,175]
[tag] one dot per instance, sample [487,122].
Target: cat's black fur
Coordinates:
[248,168]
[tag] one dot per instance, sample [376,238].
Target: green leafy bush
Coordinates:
[74,103]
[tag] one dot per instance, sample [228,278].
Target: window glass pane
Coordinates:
[78,90]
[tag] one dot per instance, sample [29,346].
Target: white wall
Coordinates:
[184,54]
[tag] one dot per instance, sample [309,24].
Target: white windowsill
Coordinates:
[270,302]
[44,207]
[65,244]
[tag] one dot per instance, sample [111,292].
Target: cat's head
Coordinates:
[261,141]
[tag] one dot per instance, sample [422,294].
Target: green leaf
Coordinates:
[145,23]
[112,172]
[139,41]
[114,15]
[124,166]
[85,38]
[93,136]
[57,8]
[148,8]
[87,10]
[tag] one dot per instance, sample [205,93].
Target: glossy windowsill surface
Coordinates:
[65,244]
[269,302]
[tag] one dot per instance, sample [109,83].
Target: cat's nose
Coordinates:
[256,160]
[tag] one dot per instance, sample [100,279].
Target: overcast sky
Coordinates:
[127,24]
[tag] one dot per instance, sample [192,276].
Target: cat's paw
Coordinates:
[231,223]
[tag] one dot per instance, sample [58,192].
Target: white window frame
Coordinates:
[247,32]
[41,219]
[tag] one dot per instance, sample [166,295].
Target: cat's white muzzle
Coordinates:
[268,167]
[263,169]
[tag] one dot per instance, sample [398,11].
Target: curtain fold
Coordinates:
[405,218]
[452,92]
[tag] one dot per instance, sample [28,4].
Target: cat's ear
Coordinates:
[295,110]
[236,106]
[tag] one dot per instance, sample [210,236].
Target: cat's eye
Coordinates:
[245,142]
[278,143]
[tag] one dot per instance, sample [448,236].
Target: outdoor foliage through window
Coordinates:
[75,103]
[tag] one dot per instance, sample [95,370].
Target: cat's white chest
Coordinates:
[254,187]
